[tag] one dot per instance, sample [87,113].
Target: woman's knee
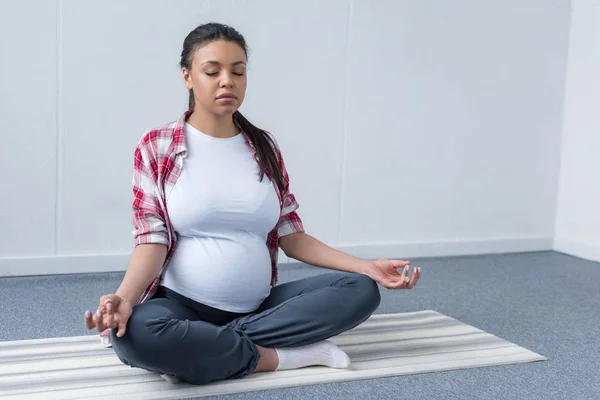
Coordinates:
[140,342]
[368,291]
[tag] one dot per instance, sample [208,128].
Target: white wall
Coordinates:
[578,216]
[410,128]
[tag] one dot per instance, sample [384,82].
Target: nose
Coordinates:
[226,80]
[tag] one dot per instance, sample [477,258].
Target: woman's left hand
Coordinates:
[385,272]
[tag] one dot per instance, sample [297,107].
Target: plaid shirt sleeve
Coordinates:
[148,217]
[290,221]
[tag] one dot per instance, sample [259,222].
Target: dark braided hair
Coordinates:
[261,140]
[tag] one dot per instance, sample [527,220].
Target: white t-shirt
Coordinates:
[222,215]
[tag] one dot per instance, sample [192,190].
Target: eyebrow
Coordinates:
[218,63]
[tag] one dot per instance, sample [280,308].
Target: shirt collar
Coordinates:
[179,139]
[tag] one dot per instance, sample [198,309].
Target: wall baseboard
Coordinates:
[92,263]
[71,264]
[447,248]
[577,248]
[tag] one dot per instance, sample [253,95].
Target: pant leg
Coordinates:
[165,336]
[310,310]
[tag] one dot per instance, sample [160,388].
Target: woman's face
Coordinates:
[218,77]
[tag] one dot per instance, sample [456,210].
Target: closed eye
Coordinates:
[216,73]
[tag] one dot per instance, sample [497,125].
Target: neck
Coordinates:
[219,126]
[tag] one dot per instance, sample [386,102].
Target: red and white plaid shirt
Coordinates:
[158,161]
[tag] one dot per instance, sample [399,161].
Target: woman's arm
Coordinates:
[150,230]
[310,250]
[307,249]
[144,265]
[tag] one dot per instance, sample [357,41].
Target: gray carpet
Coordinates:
[546,302]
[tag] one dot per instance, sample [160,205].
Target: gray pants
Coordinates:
[171,334]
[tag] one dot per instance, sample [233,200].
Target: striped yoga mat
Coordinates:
[384,345]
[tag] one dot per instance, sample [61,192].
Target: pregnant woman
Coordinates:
[212,206]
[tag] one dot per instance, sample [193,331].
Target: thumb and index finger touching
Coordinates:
[110,303]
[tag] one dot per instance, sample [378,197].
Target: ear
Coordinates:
[187,78]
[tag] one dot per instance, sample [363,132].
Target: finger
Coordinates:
[403,279]
[103,300]
[122,328]
[399,263]
[89,322]
[405,272]
[110,315]
[405,283]
[414,278]
[400,283]
[418,276]
[98,319]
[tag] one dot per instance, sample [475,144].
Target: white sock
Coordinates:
[320,353]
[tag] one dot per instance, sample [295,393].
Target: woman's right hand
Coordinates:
[113,312]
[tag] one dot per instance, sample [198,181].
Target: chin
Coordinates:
[224,111]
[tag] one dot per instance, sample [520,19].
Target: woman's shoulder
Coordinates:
[163,133]
[159,140]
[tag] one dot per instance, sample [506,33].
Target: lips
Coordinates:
[226,96]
